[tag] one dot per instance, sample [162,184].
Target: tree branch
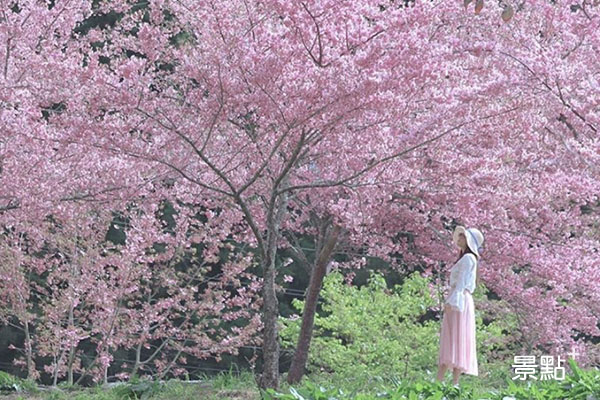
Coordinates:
[372,164]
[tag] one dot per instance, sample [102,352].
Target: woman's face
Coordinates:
[462,241]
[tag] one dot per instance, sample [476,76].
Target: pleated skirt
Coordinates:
[457,339]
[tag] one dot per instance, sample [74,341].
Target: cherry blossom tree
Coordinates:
[239,122]
[379,118]
[125,297]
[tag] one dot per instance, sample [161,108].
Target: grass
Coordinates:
[222,386]
[581,385]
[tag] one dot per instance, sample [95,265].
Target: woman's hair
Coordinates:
[467,250]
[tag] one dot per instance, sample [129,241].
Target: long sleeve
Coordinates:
[462,277]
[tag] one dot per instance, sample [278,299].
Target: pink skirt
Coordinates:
[457,340]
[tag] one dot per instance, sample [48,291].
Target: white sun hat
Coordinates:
[473,235]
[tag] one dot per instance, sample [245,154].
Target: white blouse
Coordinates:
[462,276]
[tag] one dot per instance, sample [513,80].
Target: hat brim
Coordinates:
[470,242]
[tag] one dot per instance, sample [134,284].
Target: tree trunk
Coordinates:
[57,363]
[270,312]
[270,374]
[138,358]
[71,350]
[310,307]
[29,353]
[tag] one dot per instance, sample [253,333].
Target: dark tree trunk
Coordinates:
[29,352]
[270,314]
[310,307]
[270,347]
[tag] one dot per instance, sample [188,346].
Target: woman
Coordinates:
[457,340]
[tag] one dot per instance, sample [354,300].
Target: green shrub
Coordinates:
[579,385]
[371,334]
[142,389]
[419,390]
[10,383]
[368,332]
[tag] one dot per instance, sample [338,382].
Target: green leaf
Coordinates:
[508,13]
[478,6]
[295,393]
